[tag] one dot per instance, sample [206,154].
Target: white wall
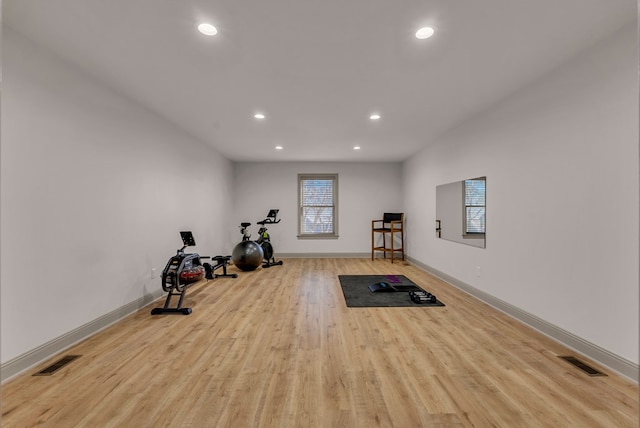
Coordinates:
[94,192]
[365,191]
[561,160]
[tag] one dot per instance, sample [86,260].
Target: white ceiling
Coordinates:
[317,68]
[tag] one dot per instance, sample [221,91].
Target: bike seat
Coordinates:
[245,224]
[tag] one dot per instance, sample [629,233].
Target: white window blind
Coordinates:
[475,206]
[318,205]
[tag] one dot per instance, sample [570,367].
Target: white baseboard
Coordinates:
[323,255]
[43,352]
[366,255]
[600,355]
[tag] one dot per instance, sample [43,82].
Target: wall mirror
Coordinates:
[461,211]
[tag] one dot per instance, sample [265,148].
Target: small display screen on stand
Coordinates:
[187,239]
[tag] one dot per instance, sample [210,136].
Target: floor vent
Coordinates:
[48,371]
[582,366]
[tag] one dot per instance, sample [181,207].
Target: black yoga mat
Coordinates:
[357,294]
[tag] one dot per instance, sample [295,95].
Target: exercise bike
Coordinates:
[264,239]
[181,271]
[248,255]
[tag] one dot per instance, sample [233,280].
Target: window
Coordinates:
[318,205]
[474,206]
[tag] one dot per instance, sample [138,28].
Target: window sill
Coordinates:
[473,236]
[319,236]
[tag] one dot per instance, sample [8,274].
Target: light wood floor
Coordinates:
[279,348]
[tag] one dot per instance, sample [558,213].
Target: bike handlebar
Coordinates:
[268,221]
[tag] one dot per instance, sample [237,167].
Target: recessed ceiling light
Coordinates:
[207,29]
[374,116]
[278,147]
[425,32]
[356,147]
[259,116]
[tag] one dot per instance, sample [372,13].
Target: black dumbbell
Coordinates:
[423,297]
